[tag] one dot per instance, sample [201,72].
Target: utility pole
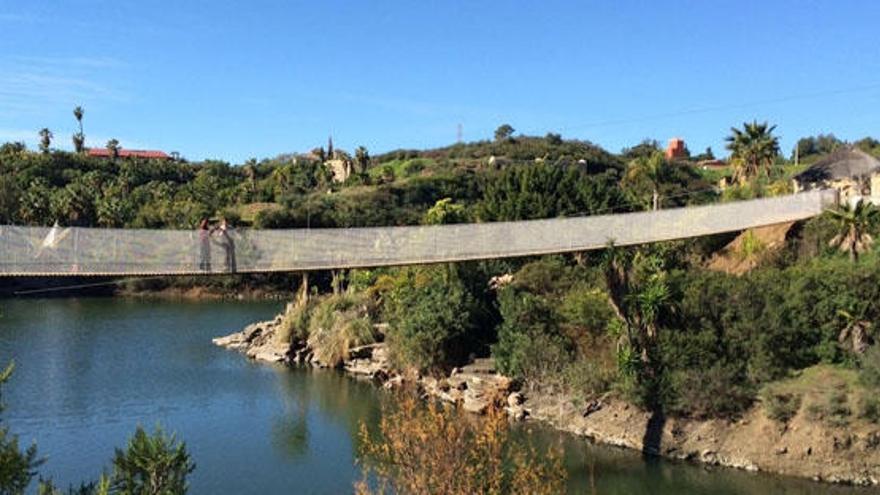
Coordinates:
[458,134]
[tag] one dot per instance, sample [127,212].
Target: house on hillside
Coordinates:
[124,153]
[849,170]
[676,149]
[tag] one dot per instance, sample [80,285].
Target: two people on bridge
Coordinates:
[222,236]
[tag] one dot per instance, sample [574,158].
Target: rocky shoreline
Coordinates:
[801,448]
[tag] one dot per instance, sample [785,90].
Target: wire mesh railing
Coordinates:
[73,251]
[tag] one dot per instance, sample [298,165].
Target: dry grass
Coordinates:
[339,323]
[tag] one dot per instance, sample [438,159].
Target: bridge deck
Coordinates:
[59,252]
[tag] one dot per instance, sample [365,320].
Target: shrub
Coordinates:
[294,324]
[428,450]
[17,467]
[529,343]
[337,324]
[586,308]
[586,378]
[752,246]
[869,409]
[719,391]
[869,372]
[781,406]
[433,318]
[832,409]
[414,166]
[155,463]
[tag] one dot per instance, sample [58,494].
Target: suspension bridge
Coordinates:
[66,252]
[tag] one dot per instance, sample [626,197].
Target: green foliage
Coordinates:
[504,131]
[156,464]
[338,323]
[869,408]
[754,150]
[434,318]
[651,170]
[854,226]
[869,372]
[552,331]
[834,410]
[586,378]
[751,247]
[17,467]
[720,390]
[781,407]
[545,191]
[100,487]
[445,211]
[814,146]
[530,343]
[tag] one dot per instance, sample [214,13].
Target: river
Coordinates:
[89,370]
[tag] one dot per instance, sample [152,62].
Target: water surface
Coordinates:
[89,370]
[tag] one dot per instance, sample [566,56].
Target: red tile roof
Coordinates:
[124,153]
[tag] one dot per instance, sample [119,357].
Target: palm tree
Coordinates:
[45,139]
[753,150]
[651,168]
[113,148]
[856,329]
[853,226]
[79,138]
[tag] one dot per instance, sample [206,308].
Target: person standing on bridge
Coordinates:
[228,244]
[205,245]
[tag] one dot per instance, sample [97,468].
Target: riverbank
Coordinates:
[803,446]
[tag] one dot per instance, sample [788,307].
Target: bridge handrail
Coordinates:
[78,251]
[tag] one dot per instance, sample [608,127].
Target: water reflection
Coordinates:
[89,370]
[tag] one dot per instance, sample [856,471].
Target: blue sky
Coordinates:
[233,80]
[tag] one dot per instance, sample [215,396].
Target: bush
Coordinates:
[294,324]
[833,409]
[155,463]
[338,323]
[869,372]
[586,378]
[17,467]
[530,344]
[427,450]
[433,318]
[719,391]
[869,409]
[781,407]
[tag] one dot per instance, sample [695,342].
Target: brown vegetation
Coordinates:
[431,449]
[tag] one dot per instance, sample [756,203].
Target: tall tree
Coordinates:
[853,227]
[362,159]
[113,148]
[79,139]
[753,149]
[45,139]
[504,131]
[250,171]
[651,169]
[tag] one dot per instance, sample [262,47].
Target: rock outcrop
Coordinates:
[754,443]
